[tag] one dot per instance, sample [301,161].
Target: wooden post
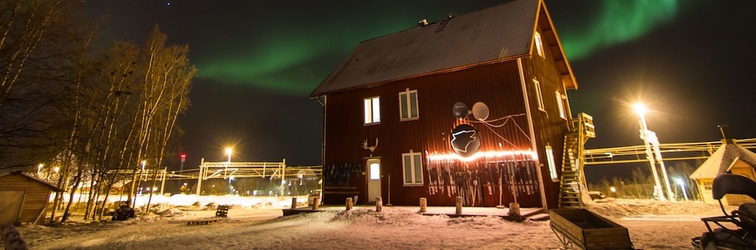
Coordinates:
[423,205]
[388,183]
[316,203]
[378,204]
[293,202]
[349,203]
[459,205]
[514,209]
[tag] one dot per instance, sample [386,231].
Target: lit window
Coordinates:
[375,171]
[372,110]
[408,105]
[539,44]
[552,165]
[412,165]
[539,96]
[560,103]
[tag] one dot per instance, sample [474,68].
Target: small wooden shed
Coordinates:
[729,158]
[23,198]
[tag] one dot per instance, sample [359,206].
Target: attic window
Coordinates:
[539,44]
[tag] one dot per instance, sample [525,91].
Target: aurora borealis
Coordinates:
[259,60]
[615,22]
[284,61]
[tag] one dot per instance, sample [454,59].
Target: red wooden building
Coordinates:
[473,106]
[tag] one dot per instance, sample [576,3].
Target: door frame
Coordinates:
[374,186]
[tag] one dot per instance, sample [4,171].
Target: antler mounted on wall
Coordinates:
[371,148]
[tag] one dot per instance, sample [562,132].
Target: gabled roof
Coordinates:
[19,173]
[721,160]
[497,34]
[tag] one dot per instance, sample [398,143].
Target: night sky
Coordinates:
[689,61]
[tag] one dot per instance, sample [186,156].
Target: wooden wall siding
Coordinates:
[549,127]
[498,86]
[36,198]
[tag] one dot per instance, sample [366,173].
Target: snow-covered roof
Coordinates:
[721,160]
[492,35]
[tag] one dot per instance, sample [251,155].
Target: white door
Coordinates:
[374,179]
[10,206]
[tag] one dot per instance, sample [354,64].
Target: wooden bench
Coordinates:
[222,211]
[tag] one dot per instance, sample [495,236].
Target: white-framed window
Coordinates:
[375,171]
[539,94]
[412,166]
[538,43]
[552,165]
[408,105]
[372,110]
[560,103]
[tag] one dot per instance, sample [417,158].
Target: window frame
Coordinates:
[539,94]
[408,111]
[551,162]
[372,114]
[416,177]
[539,44]
[561,105]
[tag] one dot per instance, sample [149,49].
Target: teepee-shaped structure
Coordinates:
[729,158]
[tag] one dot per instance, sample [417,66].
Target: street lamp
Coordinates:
[648,136]
[682,186]
[228,152]
[139,180]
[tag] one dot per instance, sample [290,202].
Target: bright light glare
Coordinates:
[229,151]
[489,154]
[639,108]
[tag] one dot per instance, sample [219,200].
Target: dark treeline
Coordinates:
[81,113]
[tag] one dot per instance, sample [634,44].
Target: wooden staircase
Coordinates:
[572,178]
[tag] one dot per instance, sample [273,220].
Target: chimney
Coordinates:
[725,129]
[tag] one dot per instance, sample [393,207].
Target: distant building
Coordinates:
[473,106]
[23,198]
[728,158]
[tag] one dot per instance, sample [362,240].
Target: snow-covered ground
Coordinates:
[652,225]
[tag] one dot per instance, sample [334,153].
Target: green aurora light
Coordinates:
[295,61]
[292,62]
[617,22]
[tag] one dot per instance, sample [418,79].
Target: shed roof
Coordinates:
[19,173]
[497,34]
[721,160]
